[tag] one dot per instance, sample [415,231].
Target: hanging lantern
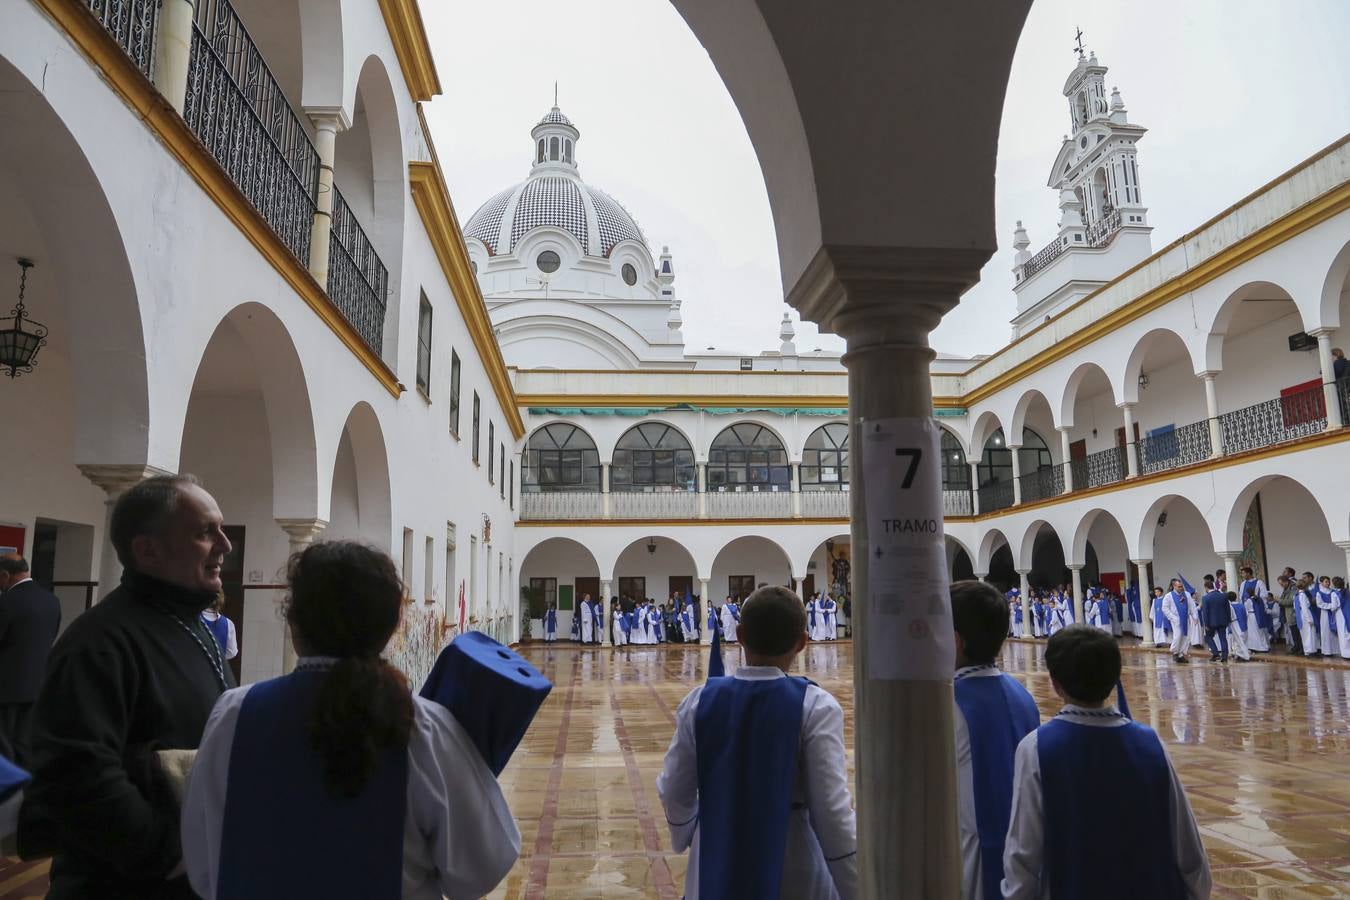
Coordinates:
[19,345]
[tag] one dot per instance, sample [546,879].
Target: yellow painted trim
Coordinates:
[1312,442]
[403,20]
[623,400]
[601,523]
[438,215]
[640,372]
[1290,225]
[90,37]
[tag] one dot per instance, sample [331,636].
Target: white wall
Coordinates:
[748,556]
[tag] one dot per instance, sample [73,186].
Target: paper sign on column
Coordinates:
[909,623]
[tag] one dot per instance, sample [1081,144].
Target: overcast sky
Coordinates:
[1233,93]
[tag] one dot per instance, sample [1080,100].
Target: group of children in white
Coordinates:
[678,621]
[1310,615]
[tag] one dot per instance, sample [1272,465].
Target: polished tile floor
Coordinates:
[1263,749]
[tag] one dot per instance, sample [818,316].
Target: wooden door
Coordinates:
[589,586]
[634,589]
[1078,449]
[1120,435]
[681,584]
[232,578]
[808,586]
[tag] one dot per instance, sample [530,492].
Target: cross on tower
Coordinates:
[1078,48]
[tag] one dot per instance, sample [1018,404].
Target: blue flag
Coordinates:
[1186,585]
[715,667]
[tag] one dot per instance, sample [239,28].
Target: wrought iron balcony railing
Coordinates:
[1098,234]
[996,495]
[1047,481]
[826,504]
[653,504]
[358,282]
[750,504]
[1096,469]
[237,109]
[958,502]
[1286,418]
[561,505]
[1179,447]
[132,25]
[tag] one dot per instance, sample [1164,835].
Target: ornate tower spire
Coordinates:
[555,139]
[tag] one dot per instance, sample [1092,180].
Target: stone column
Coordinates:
[885,301]
[604,490]
[1076,577]
[1017,473]
[796,585]
[1145,598]
[114,480]
[1131,446]
[979,576]
[300,533]
[1064,453]
[1212,414]
[173,50]
[605,592]
[796,487]
[702,490]
[327,123]
[975,488]
[1324,360]
[1345,548]
[1230,568]
[1025,586]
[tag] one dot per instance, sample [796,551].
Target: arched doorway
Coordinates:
[558,570]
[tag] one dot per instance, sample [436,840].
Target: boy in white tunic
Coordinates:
[1238,630]
[731,615]
[1305,619]
[755,783]
[1069,823]
[1329,607]
[587,620]
[1252,595]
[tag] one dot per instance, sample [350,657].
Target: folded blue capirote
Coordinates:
[11,779]
[490,690]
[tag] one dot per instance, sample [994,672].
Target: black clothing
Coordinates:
[30,616]
[1340,368]
[129,677]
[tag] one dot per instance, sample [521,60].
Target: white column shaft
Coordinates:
[975,488]
[1328,380]
[1017,473]
[702,469]
[796,487]
[173,50]
[1145,599]
[1064,452]
[1076,576]
[325,143]
[1230,569]
[1212,414]
[1131,446]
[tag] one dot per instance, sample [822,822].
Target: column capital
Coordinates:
[305,530]
[1209,374]
[1076,568]
[1230,554]
[1126,405]
[334,117]
[876,295]
[116,479]
[1064,429]
[1022,572]
[1344,545]
[1321,332]
[1142,562]
[980,576]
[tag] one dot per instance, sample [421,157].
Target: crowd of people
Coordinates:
[678,621]
[154,776]
[1308,616]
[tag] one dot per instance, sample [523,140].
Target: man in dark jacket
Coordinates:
[30,616]
[136,674]
[1216,615]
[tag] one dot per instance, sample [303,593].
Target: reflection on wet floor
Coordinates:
[1263,749]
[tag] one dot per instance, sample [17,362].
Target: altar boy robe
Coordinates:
[431,821]
[1088,787]
[816,857]
[587,622]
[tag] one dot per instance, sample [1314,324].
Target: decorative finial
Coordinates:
[1078,48]
[555,95]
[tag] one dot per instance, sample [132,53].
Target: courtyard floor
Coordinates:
[1263,749]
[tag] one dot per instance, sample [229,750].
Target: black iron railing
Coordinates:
[1043,258]
[1178,447]
[358,282]
[995,495]
[1096,235]
[132,25]
[1286,418]
[1096,469]
[1101,230]
[237,109]
[958,502]
[1047,481]
[1343,395]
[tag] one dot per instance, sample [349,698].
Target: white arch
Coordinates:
[663,543]
[756,538]
[1023,407]
[1027,552]
[650,420]
[1069,397]
[1128,390]
[1217,328]
[992,540]
[986,424]
[374,503]
[1147,528]
[1335,288]
[1078,550]
[776,432]
[1231,517]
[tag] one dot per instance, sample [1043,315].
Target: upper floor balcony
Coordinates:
[279,160]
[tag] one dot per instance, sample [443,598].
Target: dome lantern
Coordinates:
[555,139]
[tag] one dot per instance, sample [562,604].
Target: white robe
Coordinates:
[1024,851]
[587,622]
[616,628]
[1303,604]
[690,636]
[1197,632]
[1173,614]
[728,624]
[1257,639]
[1344,632]
[1330,605]
[821,825]
[832,622]
[459,838]
[1237,641]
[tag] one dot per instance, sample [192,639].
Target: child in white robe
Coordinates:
[1197,631]
[1342,615]
[1329,605]
[1304,620]
[729,618]
[587,620]
[812,808]
[1238,648]
[616,623]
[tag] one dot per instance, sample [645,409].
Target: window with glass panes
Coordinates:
[748,456]
[546,588]
[475,427]
[492,457]
[996,461]
[653,457]
[454,393]
[825,459]
[955,471]
[501,467]
[560,457]
[424,346]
